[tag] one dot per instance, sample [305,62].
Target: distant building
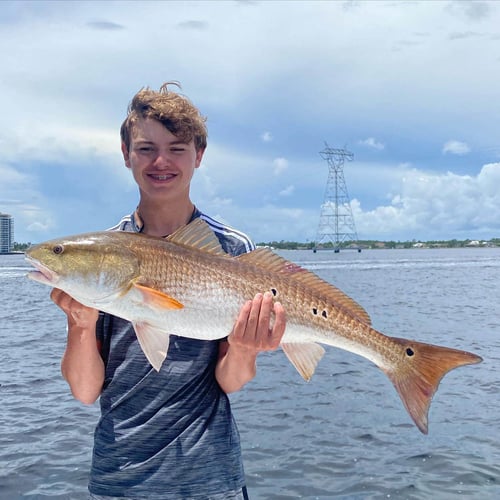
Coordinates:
[6,232]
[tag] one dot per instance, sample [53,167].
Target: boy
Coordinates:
[167,434]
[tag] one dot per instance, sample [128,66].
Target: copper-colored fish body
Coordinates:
[186,285]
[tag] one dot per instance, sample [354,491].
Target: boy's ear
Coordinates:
[199,156]
[125,154]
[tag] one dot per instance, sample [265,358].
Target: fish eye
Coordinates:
[58,249]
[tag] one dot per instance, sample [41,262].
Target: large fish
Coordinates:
[186,285]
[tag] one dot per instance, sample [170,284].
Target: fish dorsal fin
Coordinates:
[267,260]
[197,234]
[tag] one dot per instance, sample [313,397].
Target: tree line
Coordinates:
[369,244]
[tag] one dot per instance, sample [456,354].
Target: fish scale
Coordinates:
[187,285]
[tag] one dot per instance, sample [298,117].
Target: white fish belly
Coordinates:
[205,318]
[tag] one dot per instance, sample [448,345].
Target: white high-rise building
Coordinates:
[6,232]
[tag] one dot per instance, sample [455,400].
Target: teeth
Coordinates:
[161,177]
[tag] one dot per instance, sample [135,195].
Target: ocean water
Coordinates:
[344,435]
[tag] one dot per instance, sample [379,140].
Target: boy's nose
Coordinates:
[162,160]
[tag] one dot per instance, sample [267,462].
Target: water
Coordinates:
[343,435]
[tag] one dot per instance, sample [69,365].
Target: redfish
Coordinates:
[187,285]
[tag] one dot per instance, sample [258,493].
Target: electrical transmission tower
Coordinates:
[336,222]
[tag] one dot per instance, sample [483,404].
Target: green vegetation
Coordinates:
[364,244]
[289,245]
[20,247]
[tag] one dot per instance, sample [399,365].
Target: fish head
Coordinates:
[93,268]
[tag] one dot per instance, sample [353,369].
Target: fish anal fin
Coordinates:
[417,377]
[197,234]
[154,343]
[304,356]
[157,299]
[266,259]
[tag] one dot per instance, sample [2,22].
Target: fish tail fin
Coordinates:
[418,377]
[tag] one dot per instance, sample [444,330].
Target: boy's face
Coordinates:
[161,165]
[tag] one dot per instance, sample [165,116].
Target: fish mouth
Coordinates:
[42,274]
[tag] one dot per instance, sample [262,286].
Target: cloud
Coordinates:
[105,25]
[266,137]
[440,206]
[21,196]
[38,227]
[53,175]
[193,25]
[288,191]
[460,35]
[372,143]
[473,10]
[279,165]
[456,148]
[269,222]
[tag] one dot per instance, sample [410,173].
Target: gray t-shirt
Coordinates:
[166,434]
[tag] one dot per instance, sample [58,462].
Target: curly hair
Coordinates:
[173,110]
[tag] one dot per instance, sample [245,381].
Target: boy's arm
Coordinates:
[81,365]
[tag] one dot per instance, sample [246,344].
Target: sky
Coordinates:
[410,88]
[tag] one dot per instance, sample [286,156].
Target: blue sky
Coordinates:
[411,88]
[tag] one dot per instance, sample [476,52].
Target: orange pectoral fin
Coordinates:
[156,299]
